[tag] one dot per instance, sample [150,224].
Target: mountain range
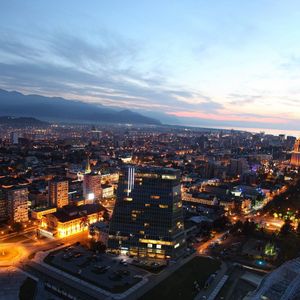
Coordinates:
[63,110]
[21,121]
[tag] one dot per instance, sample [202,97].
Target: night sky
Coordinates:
[208,63]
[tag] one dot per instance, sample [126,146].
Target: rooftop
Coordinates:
[70,212]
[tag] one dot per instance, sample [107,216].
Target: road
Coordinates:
[270,223]
[28,242]
[29,245]
[203,247]
[5,235]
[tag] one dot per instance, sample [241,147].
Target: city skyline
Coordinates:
[212,65]
[149,150]
[147,212]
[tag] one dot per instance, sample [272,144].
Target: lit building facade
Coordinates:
[17,204]
[38,214]
[72,219]
[295,160]
[92,187]
[107,191]
[58,190]
[148,219]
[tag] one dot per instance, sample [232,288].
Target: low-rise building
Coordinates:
[39,213]
[72,219]
[282,284]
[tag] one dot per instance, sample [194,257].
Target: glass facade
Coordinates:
[148,219]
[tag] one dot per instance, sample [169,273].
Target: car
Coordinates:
[77,255]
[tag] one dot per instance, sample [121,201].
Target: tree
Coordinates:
[84,221]
[237,227]
[106,215]
[97,246]
[298,230]
[286,228]
[17,227]
[221,223]
[249,228]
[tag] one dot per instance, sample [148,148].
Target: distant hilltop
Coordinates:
[21,121]
[62,110]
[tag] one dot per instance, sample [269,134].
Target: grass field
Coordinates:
[180,284]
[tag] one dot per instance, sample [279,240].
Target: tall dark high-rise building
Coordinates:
[148,219]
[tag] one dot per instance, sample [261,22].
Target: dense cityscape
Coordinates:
[149,150]
[137,212]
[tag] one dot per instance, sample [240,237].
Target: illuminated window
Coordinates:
[163,206]
[156,242]
[142,232]
[179,225]
[127,199]
[158,246]
[147,205]
[167,176]
[149,245]
[155,197]
[146,224]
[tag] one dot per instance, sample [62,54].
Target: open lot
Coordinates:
[180,284]
[105,271]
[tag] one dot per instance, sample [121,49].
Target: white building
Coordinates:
[281,284]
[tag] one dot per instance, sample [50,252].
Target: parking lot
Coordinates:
[108,272]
